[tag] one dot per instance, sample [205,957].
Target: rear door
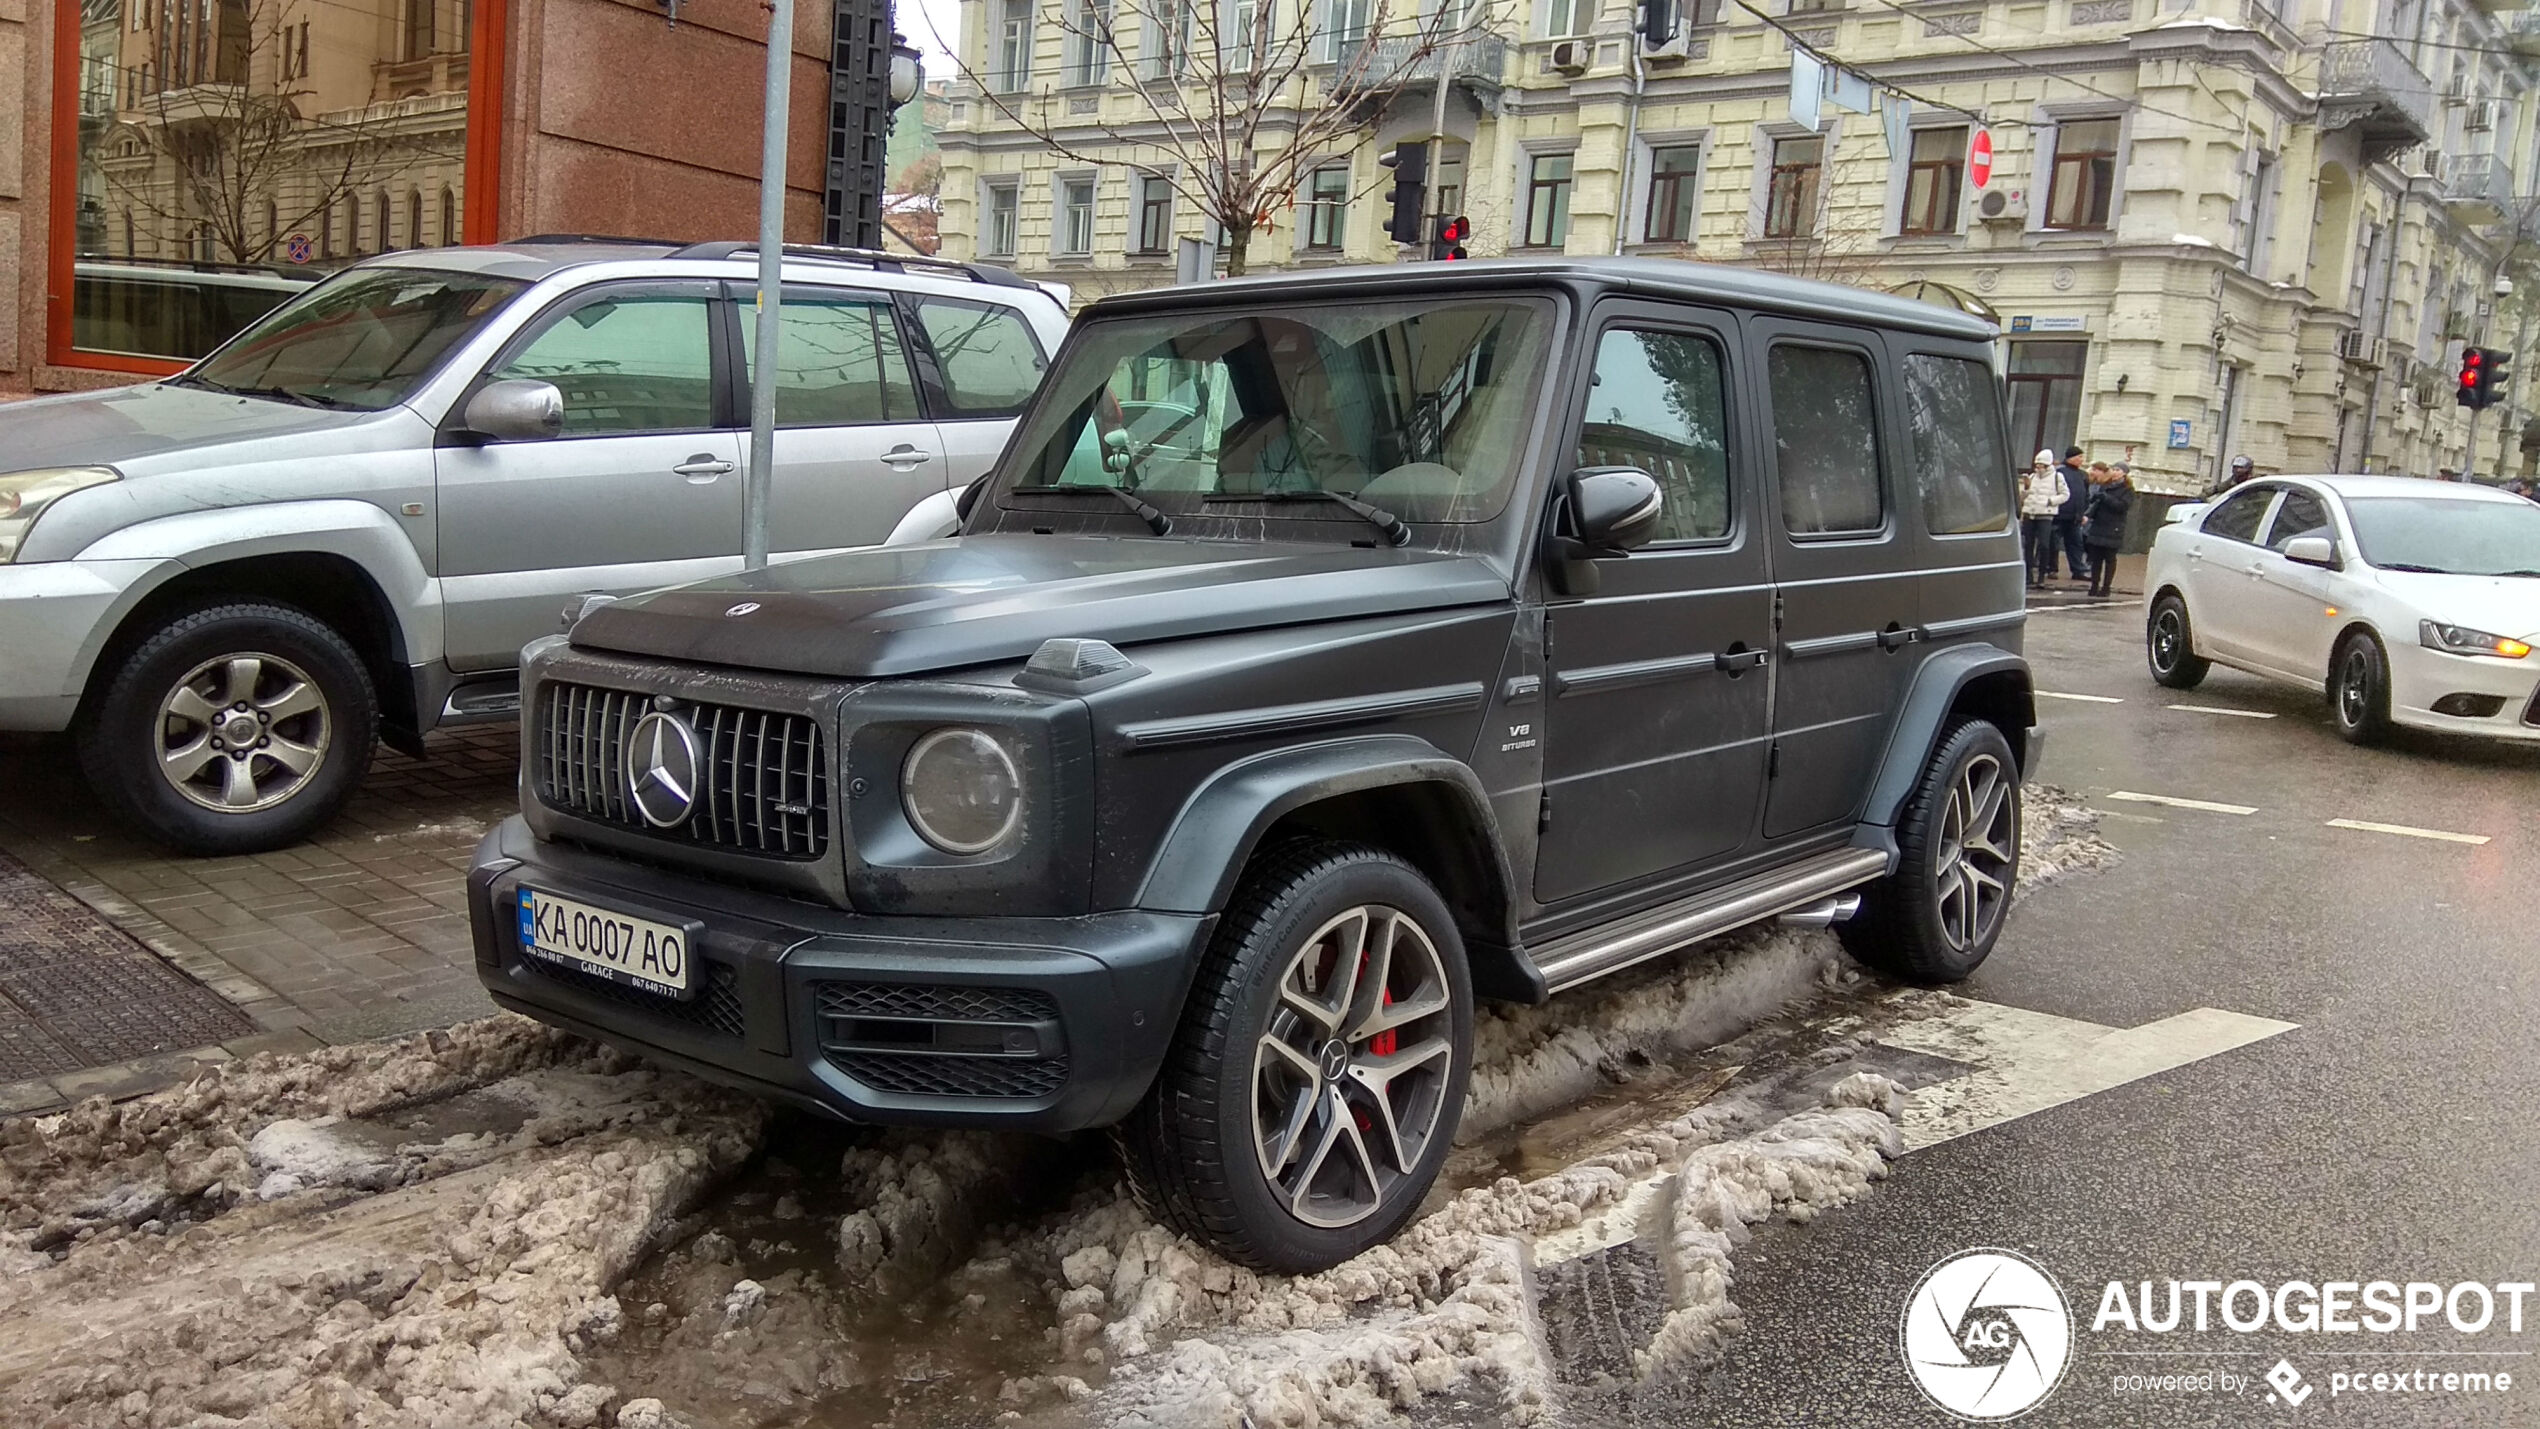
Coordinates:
[642,489]
[1657,723]
[1843,568]
[854,449]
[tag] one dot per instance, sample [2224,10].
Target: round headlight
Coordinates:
[962,791]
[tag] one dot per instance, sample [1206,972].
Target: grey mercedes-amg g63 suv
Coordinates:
[1322,654]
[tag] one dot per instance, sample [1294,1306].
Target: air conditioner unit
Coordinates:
[2355,347]
[2457,88]
[2481,117]
[1571,56]
[2002,206]
[1679,47]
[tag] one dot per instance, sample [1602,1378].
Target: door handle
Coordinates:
[1738,661]
[1898,637]
[703,467]
[905,456]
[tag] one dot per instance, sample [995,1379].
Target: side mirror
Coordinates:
[968,500]
[2313,551]
[1613,509]
[519,409]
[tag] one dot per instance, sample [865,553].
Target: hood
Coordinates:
[2499,605]
[975,600]
[120,426]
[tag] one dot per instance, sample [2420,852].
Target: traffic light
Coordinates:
[1449,244]
[1410,164]
[2472,392]
[2495,377]
[1657,22]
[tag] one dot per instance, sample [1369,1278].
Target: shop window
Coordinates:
[2045,394]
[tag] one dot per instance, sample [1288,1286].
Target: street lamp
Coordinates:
[908,76]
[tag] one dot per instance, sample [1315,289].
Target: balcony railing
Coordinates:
[1395,59]
[2371,85]
[2479,187]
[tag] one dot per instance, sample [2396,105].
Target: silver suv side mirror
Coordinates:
[518,409]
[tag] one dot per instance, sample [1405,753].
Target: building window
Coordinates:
[1244,20]
[1548,201]
[1014,46]
[419,28]
[387,220]
[1089,42]
[1568,17]
[2259,226]
[1155,213]
[1168,42]
[1327,208]
[1075,236]
[998,232]
[449,217]
[1934,177]
[1790,201]
[1345,24]
[414,219]
[1675,194]
[2082,192]
[1447,179]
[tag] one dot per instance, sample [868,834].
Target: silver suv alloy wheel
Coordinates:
[1978,833]
[1349,1079]
[242,732]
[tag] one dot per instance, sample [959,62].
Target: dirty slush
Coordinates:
[499,1224]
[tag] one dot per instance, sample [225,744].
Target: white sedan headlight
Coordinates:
[2461,640]
[25,494]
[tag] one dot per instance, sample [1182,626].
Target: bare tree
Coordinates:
[248,164]
[1238,97]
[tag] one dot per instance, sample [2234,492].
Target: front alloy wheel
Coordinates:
[242,732]
[1350,1077]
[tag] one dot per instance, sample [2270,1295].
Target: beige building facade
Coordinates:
[2210,227]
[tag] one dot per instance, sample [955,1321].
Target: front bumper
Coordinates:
[1036,1024]
[54,616]
[2421,678]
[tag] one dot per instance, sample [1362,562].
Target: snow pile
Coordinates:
[924,1195]
[2059,835]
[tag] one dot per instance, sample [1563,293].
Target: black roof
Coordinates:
[1665,277]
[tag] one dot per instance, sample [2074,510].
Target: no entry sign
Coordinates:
[1980,158]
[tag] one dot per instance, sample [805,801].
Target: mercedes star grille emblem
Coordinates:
[662,769]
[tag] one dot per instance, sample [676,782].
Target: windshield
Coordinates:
[2467,538]
[361,342]
[1419,408]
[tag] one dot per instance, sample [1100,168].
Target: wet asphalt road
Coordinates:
[2393,1136]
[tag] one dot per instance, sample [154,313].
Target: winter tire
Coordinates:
[1315,1083]
[2169,645]
[233,729]
[1936,917]
[2359,689]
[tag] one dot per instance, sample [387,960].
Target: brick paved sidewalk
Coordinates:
[361,933]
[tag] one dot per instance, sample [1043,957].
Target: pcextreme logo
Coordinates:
[1986,1335]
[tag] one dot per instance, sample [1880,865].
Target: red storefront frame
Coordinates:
[479,213]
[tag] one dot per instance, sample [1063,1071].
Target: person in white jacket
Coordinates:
[2041,493]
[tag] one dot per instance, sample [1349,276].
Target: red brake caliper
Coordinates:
[1382,1045]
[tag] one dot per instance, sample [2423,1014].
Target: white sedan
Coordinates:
[2407,602]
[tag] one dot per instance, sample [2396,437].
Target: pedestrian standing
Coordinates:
[2068,512]
[2041,491]
[2110,502]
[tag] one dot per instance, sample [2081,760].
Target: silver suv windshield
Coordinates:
[361,342]
[1419,409]
[2466,538]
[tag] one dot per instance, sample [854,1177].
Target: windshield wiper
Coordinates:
[1396,533]
[1157,521]
[2420,570]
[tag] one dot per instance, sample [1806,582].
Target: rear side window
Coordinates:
[2237,518]
[839,362]
[989,358]
[1660,403]
[1825,440]
[1961,460]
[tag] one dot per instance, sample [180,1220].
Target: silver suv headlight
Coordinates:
[2461,640]
[962,790]
[25,494]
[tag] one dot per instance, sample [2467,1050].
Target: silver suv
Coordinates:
[343,524]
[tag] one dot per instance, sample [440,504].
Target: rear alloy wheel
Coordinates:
[232,730]
[2169,646]
[1316,1081]
[1935,919]
[2359,689]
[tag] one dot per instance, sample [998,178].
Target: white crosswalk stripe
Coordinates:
[2128,796]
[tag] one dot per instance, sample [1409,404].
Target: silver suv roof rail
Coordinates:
[868,257]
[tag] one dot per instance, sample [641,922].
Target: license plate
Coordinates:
[620,947]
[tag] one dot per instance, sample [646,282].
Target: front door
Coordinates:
[1656,716]
[1842,570]
[2289,628]
[642,489]
[2223,566]
[853,449]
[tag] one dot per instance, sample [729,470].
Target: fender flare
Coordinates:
[1937,688]
[1202,854]
[353,530]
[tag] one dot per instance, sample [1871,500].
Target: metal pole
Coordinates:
[758,478]
[2381,321]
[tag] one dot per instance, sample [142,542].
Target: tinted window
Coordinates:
[2237,517]
[989,358]
[1825,439]
[2300,515]
[625,365]
[1959,457]
[1660,403]
[839,361]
